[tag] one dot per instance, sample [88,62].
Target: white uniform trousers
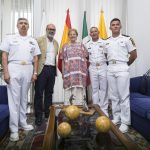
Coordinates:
[98,77]
[20,81]
[118,83]
[78,92]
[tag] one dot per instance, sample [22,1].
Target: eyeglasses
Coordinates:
[50,29]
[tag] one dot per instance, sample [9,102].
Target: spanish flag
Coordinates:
[102,27]
[65,38]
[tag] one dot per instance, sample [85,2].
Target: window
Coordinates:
[21,8]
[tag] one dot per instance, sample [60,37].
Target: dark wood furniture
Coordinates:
[51,137]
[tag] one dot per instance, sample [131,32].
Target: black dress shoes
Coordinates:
[38,121]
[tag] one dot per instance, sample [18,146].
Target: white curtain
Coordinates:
[11,10]
[55,12]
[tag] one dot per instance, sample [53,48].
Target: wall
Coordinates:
[5,16]
[55,11]
[138,26]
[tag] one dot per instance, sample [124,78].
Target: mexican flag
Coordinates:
[85,37]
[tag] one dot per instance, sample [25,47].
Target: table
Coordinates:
[84,135]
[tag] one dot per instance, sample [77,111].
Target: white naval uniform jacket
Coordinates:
[20,48]
[118,49]
[96,52]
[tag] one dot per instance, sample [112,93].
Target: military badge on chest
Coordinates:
[14,42]
[89,50]
[32,47]
[107,44]
[32,43]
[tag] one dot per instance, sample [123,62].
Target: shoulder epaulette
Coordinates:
[87,41]
[133,43]
[106,38]
[125,35]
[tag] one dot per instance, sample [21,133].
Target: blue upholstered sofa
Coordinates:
[140,105]
[4,111]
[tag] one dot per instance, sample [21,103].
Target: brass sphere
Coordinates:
[64,129]
[103,124]
[72,112]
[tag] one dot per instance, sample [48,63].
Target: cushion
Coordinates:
[4,112]
[148,86]
[141,106]
[135,84]
[144,85]
[148,115]
[137,95]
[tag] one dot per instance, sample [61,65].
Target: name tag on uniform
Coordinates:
[15,42]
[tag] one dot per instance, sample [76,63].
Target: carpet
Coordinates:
[33,140]
[28,140]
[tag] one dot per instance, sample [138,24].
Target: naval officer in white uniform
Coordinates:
[20,61]
[98,70]
[121,52]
